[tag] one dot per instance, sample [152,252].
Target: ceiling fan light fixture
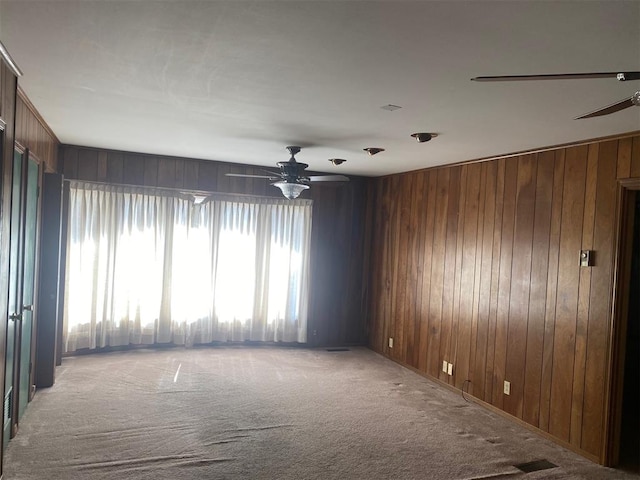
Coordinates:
[373,150]
[422,137]
[291,190]
[337,161]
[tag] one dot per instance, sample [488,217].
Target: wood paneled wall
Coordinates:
[336,307]
[478,265]
[34,134]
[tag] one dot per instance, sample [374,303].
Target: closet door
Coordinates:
[30,232]
[22,276]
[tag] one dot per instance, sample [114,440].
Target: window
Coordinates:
[149,267]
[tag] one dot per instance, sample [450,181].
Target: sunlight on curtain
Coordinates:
[147,268]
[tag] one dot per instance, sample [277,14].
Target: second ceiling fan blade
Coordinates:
[559,76]
[328,178]
[250,176]
[616,107]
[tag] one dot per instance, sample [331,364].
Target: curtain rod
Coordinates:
[184,191]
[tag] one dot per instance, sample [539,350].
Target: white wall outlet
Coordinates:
[450,369]
[390,342]
[507,388]
[445,366]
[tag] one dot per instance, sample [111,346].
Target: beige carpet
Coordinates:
[268,413]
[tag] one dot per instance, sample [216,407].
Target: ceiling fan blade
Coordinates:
[328,178]
[559,76]
[616,107]
[251,176]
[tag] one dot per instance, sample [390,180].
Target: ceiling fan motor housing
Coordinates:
[291,170]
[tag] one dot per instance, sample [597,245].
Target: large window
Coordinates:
[149,267]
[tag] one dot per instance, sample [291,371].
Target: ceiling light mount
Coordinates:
[293,150]
[337,161]
[373,150]
[422,137]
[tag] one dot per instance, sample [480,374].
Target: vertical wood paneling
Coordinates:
[70,162]
[415,269]
[115,167]
[103,158]
[625,146]
[386,263]
[449,277]
[495,281]
[191,171]
[150,174]
[568,283]
[424,291]
[400,280]
[224,183]
[167,172]
[475,300]
[478,384]
[431,183]
[133,169]
[87,164]
[521,283]
[208,177]
[34,134]
[457,275]
[537,295]
[634,169]
[394,266]
[464,317]
[437,273]
[552,290]
[583,298]
[504,282]
[178,179]
[498,290]
[374,288]
[600,305]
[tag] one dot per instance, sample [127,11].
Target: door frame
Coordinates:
[18,231]
[628,188]
[36,271]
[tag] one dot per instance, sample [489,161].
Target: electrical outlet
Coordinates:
[445,366]
[390,342]
[507,388]
[450,369]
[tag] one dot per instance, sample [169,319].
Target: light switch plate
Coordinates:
[450,369]
[586,258]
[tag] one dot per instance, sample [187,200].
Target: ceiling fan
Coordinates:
[634,100]
[291,178]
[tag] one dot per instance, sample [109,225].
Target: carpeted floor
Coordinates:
[268,413]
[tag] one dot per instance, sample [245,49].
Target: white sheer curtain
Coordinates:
[148,267]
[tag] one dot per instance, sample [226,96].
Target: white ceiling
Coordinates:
[237,81]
